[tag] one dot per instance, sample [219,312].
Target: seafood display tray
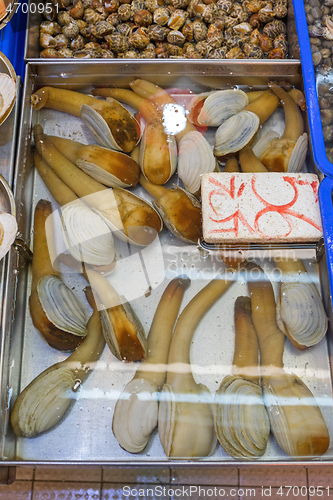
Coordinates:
[311,82]
[85,436]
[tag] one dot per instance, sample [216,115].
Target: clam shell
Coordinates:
[241,421]
[185,423]
[108,210]
[101,175]
[298,154]
[300,310]
[221,105]
[8,231]
[296,420]
[43,403]
[195,106]
[168,222]
[195,158]
[7,94]
[135,415]
[235,133]
[109,326]
[263,142]
[61,306]
[99,127]
[87,236]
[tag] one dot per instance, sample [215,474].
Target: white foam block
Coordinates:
[263,207]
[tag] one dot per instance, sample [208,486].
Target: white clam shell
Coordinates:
[61,306]
[235,133]
[98,127]
[298,154]
[186,423]
[8,231]
[301,311]
[135,415]
[195,158]
[87,236]
[264,142]
[100,174]
[46,400]
[7,94]
[221,105]
[241,421]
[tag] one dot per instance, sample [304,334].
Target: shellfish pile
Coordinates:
[164,389]
[194,29]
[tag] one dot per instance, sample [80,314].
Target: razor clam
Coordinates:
[195,158]
[235,133]
[135,414]
[7,95]
[241,421]
[221,105]
[87,236]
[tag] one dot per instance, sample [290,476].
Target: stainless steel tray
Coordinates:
[85,436]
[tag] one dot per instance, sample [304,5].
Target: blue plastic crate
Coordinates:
[12,39]
[310,88]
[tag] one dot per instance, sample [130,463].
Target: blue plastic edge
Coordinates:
[325,201]
[316,129]
[12,40]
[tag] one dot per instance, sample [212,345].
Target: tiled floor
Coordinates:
[220,483]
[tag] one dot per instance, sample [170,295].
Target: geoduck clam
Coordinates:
[286,153]
[180,211]
[300,311]
[122,329]
[109,122]
[241,421]
[136,411]
[193,146]
[185,418]
[109,167]
[296,420]
[130,217]
[54,309]
[237,131]
[43,403]
[211,109]
[158,149]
